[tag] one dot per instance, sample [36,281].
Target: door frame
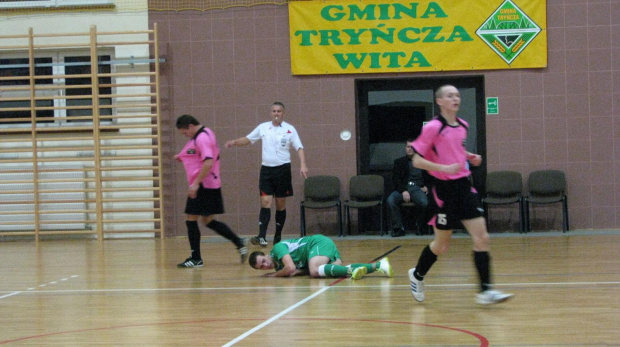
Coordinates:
[363,86]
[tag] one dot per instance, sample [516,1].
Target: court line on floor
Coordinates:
[43,285]
[10,294]
[303,288]
[290,308]
[274,318]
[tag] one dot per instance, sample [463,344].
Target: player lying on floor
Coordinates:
[314,255]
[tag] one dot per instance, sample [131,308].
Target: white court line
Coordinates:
[10,294]
[464,285]
[33,288]
[267,322]
[274,318]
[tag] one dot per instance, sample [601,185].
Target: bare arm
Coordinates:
[474,159]
[428,165]
[288,270]
[303,169]
[242,141]
[204,171]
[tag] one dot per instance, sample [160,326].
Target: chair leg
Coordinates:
[381,218]
[339,220]
[521,227]
[485,214]
[526,212]
[565,214]
[302,218]
[346,208]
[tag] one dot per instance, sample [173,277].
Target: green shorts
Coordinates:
[323,245]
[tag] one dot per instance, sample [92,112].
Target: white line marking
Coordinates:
[33,288]
[11,294]
[297,288]
[270,320]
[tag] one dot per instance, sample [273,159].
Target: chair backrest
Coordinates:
[366,187]
[504,183]
[547,183]
[322,188]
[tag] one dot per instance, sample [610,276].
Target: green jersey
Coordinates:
[302,249]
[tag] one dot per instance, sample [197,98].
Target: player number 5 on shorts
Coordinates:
[441,219]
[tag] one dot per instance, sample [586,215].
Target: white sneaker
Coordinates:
[492,297]
[417,287]
[358,273]
[385,267]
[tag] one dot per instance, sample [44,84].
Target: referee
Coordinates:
[277,137]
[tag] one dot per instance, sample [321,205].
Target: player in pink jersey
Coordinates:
[440,149]
[201,159]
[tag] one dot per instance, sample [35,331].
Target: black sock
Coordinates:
[483,265]
[225,231]
[280,219]
[427,259]
[263,221]
[193,234]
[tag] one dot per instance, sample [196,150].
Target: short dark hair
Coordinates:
[278,103]
[439,91]
[252,259]
[184,121]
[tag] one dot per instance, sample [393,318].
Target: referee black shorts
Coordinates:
[208,201]
[276,181]
[456,201]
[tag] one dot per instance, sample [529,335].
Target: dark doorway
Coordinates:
[389,111]
[389,126]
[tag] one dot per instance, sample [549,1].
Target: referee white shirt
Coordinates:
[277,141]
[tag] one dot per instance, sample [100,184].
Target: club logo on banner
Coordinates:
[379,36]
[508,31]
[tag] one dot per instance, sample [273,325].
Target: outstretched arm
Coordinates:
[242,141]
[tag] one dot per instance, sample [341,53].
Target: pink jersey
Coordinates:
[201,147]
[444,144]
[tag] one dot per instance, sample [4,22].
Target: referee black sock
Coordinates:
[193,234]
[483,265]
[263,221]
[427,259]
[225,231]
[280,219]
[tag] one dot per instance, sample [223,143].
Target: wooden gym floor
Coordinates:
[130,293]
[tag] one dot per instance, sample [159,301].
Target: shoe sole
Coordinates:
[243,255]
[181,266]
[481,302]
[359,273]
[390,272]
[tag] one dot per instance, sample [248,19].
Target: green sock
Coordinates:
[369,267]
[332,270]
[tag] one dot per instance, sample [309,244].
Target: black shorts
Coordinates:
[276,181]
[206,203]
[456,201]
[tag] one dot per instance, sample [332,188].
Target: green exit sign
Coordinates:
[492,105]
